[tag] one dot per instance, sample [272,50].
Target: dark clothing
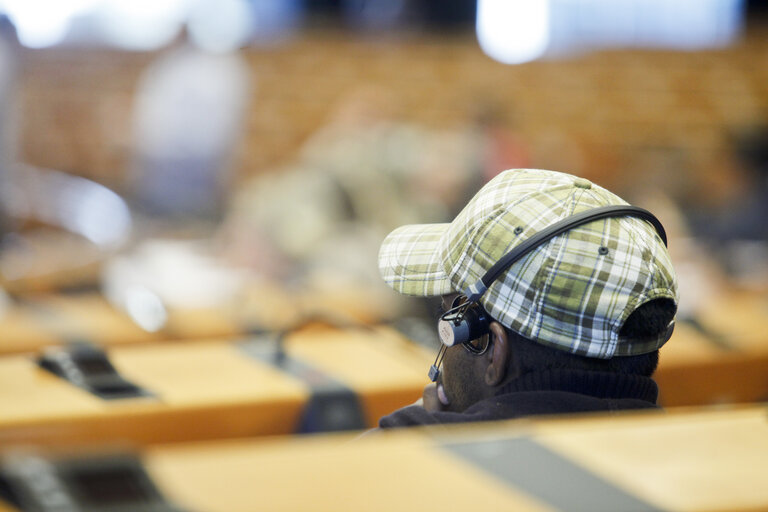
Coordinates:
[548,392]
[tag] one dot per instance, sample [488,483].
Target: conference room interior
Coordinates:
[193,194]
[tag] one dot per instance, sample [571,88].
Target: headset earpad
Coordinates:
[471,325]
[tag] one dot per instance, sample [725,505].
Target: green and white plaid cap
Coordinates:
[569,293]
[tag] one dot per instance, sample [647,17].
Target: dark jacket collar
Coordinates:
[591,383]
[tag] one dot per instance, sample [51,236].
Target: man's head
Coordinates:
[572,294]
[478,370]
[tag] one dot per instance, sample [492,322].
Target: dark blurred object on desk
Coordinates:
[84,482]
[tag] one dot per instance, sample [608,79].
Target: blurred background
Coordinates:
[286,130]
[190,155]
[293,135]
[220,170]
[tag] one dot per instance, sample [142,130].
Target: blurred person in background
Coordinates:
[735,229]
[573,325]
[501,144]
[189,114]
[320,219]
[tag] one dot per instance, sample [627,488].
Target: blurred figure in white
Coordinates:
[9,48]
[189,113]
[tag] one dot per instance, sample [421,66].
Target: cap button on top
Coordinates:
[582,183]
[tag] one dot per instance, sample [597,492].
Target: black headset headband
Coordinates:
[475,291]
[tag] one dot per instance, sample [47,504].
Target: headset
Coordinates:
[467,320]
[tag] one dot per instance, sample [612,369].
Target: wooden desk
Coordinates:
[695,460]
[211,389]
[724,359]
[727,362]
[47,320]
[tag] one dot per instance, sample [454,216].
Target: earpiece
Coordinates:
[462,327]
[461,324]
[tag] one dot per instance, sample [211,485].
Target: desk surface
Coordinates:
[696,460]
[721,357]
[47,319]
[683,460]
[210,389]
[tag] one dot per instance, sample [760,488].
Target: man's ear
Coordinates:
[497,354]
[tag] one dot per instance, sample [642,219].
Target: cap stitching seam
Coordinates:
[548,249]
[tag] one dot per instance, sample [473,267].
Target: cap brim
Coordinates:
[410,262]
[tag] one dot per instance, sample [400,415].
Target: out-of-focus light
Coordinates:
[682,24]
[512,31]
[221,26]
[141,24]
[692,24]
[83,207]
[516,31]
[145,308]
[101,216]
[42,23]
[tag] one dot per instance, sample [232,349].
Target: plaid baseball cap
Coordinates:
[573,292]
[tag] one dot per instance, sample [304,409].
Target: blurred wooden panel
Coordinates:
[739,316]
[333,474]
[22,332]
[721,358]
[694,460]
[85,316]
[622,97]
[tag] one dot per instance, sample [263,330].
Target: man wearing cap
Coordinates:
[556,297]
